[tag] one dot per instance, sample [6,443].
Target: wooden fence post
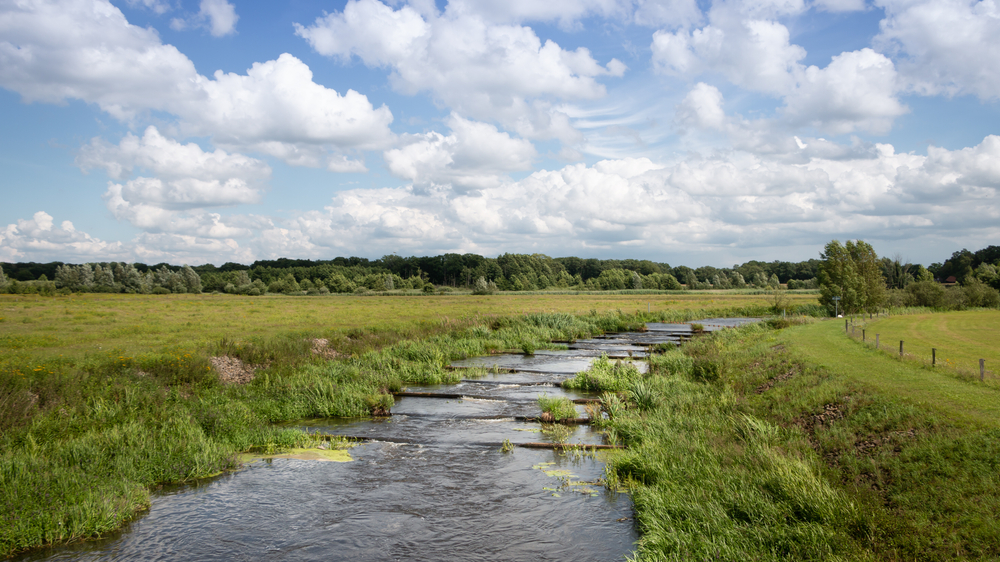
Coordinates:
[982,369]
[845,325]
[900,349]
[876,341]
[862,335]
[933,357]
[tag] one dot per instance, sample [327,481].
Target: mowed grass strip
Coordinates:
[825,344]
[961,338]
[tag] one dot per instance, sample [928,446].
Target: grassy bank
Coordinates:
[105,397]
[803,444]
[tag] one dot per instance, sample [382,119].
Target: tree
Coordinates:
[484,287]
[852,272]
[191,279]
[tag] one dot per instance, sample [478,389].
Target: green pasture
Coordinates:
[82,323]
[959,398]
[961,338]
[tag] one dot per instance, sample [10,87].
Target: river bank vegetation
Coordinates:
[805,444]
[105,397]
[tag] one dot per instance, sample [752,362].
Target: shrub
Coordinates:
[483,287]
[979,294]
[925,293]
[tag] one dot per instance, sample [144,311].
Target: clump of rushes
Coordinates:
[528,347]
[643,396]
[613,405]
[559,407]
[605,374]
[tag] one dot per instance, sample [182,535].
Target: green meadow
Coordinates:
[784,440]
[960,338]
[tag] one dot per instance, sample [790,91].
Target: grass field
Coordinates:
[825,344]
[79,324]
[961,338]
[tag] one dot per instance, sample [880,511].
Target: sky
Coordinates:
[681,131]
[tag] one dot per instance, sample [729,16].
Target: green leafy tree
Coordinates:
[852,272]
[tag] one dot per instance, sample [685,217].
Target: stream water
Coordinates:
[429,483]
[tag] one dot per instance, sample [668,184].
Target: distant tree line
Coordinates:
[507,272]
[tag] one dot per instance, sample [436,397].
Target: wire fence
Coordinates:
[929,357]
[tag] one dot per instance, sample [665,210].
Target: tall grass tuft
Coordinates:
[605,375]
[559,407]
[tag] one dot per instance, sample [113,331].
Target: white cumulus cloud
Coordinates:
[701,107]
[733,201]
[944,46]
[220,15]
[474,156]
[857,91]
[185,175]
[486,71]
[56,50]
[38,238]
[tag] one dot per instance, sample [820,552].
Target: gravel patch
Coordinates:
[232,370]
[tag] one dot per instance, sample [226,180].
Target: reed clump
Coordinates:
[557,407]
[605,374]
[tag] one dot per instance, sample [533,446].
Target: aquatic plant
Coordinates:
[605,375]
[559,407]
[674,362]
[612,404]
[643,396]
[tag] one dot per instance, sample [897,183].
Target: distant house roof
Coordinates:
[951,279]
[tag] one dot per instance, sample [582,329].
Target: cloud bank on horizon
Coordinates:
[671,130]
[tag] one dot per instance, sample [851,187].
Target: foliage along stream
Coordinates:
[428,483]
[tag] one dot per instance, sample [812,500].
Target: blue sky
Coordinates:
[698,133]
